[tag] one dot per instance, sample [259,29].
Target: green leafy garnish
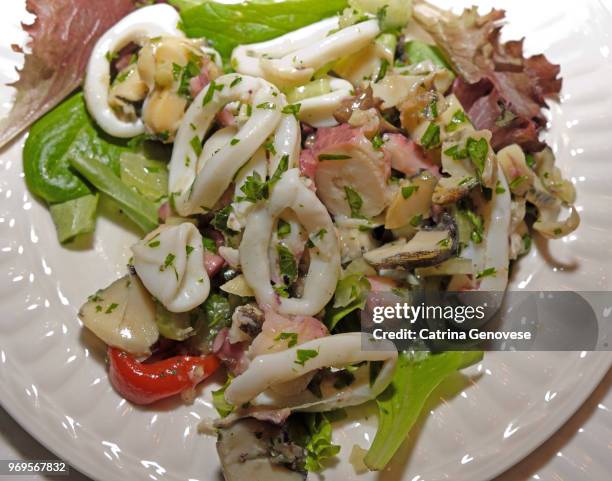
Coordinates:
[334,157]
[209,244]
[218,311]
[488,272]
[290,337]
[283,229]
[416,220]
[517,181]
[477,226]
[354,200]
[287,264]
[456,121]
[220,219]
[377,142]
[415,378]
[499,189]
[302,356]
[292,109]
[478,150]
[409,190]
[319,447]
[254,188]
[266,106]
[219,402]
[226,26]
[236,81]
[351,293]
[456,153]
[431,137]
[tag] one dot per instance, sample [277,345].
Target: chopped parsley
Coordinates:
[169,262]
[517,181]
[111,56]
[477,226]
[283,229]
[377,142]
[188,250]
[456,120]
[499,189]
[304,355]
[122,77]
[255,188]
[283,166]
[334,157]
[186,73]
[354,200]
[466,180]
[236,81]
[431,109]
[269,146]
[281,290]
[416,220]
[290,337]
[209,244]
[478,150]
[234,141]
[456,153]
[384,66]
[196,145]
[293,109]
[409,190]
[444,242]
[527,241]
[212,87]
[431,137]
[220,219]
[111,308]
[530,160]
[558,231]
[489,272]
[266,106]
[154,244]
[287,264]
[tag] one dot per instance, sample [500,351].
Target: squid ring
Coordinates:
[152,21]
[198,178]
[293,58]
[291,193]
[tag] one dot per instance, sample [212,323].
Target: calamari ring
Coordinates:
[153,21]
[291,193]
[196,182]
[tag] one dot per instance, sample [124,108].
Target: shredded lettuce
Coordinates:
[399,406]
[75,217]
[351,293]
[229,25]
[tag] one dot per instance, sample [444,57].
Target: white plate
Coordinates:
[52,376]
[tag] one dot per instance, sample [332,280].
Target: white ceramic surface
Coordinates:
[52,376]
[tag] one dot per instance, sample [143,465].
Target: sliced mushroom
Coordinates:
[426,248]
[258,451]
[122,315]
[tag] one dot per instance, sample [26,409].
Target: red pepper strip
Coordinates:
[146,383]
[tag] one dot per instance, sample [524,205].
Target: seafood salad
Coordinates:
[281,171]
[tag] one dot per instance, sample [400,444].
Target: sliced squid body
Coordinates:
[318,111]
[123,316]
[291,193]
[170,263]
[199,175]
[292,59]
[153,21]
[337,351]
[286,141]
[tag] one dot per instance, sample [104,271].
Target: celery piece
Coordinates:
[149,177]
[75,217]
[140,210]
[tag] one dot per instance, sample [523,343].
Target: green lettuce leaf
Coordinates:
[226,26]
[319,447]
[64,133]
[351,293]
[415,377]
[75,217]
